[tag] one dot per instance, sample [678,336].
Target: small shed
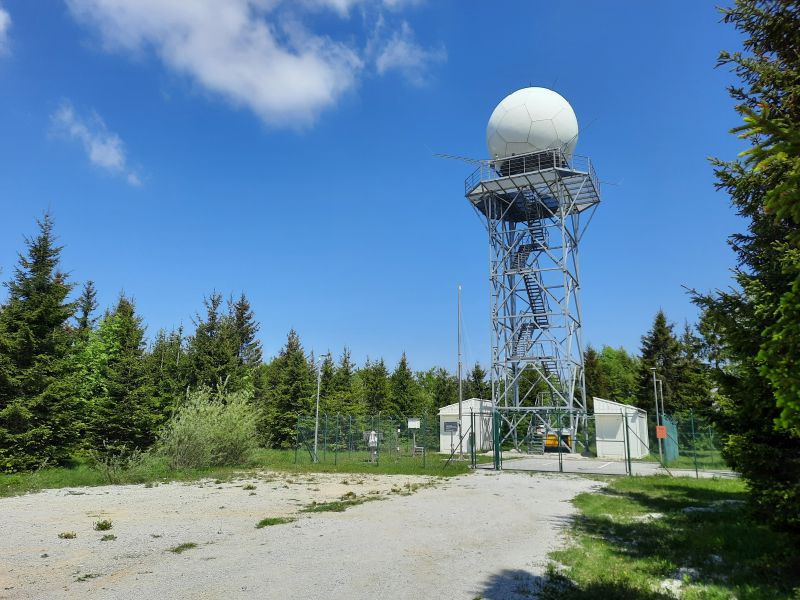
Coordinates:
[610,418]
[472,410]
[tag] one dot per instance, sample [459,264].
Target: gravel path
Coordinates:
[482,535]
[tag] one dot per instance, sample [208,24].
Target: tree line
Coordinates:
[680,363]
[72,379]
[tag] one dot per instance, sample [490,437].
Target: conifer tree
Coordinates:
[122,415]
[86,306]
[660,349]
[403,390]
[754,327]
[344,399]
[39,413]
[595,378]
[375,387]
[294,392]
[476,384]
[213,350]
[166,368]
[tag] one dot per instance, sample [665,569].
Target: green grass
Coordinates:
[181,548]
[342,504]
[270,521]
[706,460]
[67,535]
[103,525]
[109,537]
[153,470]
[635,534]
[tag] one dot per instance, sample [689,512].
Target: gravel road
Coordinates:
[482,535]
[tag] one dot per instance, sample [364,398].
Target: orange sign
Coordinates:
[661,432]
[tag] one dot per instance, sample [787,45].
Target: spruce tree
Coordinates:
[595,378]
[403,390]
[86,306]
[39,413]
[122,415]
[294,392]
[213,350]
[166,368]
[375,387]
[753,327]
[345,401]
[476,385]
[660,349]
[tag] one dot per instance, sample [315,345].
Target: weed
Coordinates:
[337,505]
[109,537]
[67,535]
[87,576]
[269,521]
[181,548]
[249,486]
[103,525]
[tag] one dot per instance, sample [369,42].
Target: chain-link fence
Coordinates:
[689,442]
[625,441]
[340,439]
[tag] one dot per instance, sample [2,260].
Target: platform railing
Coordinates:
[529,163]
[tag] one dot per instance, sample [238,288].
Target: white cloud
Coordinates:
[258,54]
[402,53]
[5,25]
[284,74]
[104,148]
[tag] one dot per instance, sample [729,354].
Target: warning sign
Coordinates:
[661,432]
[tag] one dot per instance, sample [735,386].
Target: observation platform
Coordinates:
[534,186]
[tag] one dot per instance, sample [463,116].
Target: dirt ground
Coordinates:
[482,535]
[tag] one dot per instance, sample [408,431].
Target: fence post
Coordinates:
[694,446]
[474,453]
[496,438]
[558,441]
[336,443]
[297,439]
[627,442]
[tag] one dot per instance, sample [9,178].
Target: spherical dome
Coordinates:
[531,120]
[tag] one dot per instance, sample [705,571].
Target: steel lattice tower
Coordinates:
[536,208]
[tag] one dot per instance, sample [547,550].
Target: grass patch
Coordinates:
[181,548]
[642,535]
[342,504]
[109,537]
[103,525]
[67,535]
[153,470]
[87,576]
[249,487]
[270,521]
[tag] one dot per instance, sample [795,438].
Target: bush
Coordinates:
[210,431]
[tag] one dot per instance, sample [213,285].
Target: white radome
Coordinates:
[531,120]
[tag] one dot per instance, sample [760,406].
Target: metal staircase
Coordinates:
[537,296]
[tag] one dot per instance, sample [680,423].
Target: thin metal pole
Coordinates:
[658,421]
[460,390]
[627,442]
[661,393]
[316,417]
[694,446]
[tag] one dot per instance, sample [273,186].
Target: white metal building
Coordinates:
[610,430]
[449,430]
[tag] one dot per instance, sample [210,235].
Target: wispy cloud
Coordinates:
[258,54]
[402,53]
[5,25]
[103,148]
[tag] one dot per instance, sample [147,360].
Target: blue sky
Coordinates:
[284,149]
